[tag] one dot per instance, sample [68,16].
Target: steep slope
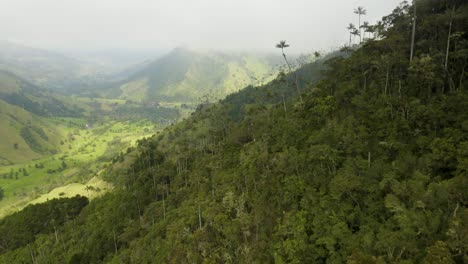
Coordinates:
[184,75]
[369,167]
[20,92]
[26,133]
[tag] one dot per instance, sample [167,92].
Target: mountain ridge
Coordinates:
[186,75]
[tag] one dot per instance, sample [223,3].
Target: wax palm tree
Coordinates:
[356,33]
[360,11]
[350,28]
[371,30]
[365,26]
[282,45]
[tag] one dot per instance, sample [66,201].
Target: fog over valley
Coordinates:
[246,25]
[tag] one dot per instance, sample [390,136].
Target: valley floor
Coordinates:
[74,170]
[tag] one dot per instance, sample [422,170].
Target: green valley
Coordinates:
[82,154]
[358,155]
[56,143]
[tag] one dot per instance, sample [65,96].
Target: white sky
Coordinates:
[201,24]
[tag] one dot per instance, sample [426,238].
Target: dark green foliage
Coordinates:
[34,99]
[40,132]
[21,228]
[27,133]
[1,193]
[63,165]
[156,114]
[370,168]
[49,107]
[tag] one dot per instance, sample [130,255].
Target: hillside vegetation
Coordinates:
[25,125]
[54,145]
[368,165]
[186,76]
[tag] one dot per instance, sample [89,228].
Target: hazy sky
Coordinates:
[201,24]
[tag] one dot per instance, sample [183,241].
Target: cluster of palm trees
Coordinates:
[353,31]
[362,29]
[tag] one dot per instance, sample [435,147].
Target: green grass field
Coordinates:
[13,147]
[82,154]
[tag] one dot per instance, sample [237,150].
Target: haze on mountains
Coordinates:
[246,25]
[101,48]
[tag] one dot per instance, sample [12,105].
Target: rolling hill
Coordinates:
[17,91]
[25,119]
[184,76]
[48,69]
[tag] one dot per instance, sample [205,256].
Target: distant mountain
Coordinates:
[184,75]
[49,69]
[17,91]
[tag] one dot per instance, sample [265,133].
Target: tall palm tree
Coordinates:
[355,33]
[371,30]
[350,28]
[282,45]
[360,11]
[365,26]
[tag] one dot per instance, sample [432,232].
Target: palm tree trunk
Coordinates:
[164,207]
[360,33]
[368,159]
[199,217]
[115,242]
[460,82]
[413,34]
[56,235]
[386,80]
[286,60]
[32,256]
[295,76]
[284,104]
[448,39]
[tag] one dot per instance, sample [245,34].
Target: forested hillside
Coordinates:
[364,163]
[184,75]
